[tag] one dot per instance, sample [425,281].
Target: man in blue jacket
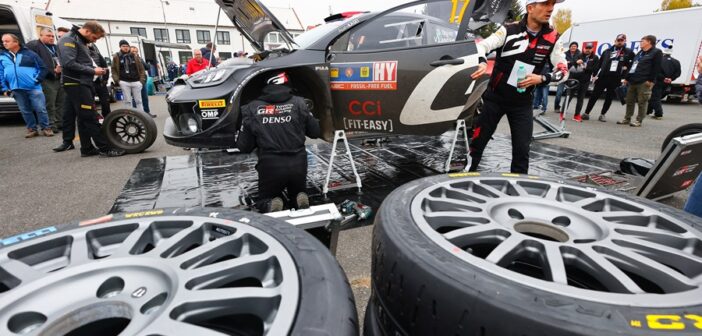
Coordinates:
[21,73]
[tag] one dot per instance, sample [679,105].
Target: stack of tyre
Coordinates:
[500,255]
[172,272]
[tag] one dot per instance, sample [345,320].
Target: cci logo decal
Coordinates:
[372,76]
[209,104]
[688,322]
[368,108]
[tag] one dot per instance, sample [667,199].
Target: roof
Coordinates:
[191,12]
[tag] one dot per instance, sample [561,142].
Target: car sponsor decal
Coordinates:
[686,170]
[27,236]
[367,108]
[209,114]
[368,125]
[274,109]
[457,175]
[144,214]
[369,76]
[671,322]
[210,104]
[99,220]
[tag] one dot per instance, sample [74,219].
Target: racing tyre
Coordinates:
[131,130]
[204,272]
[681,131]
[502,255]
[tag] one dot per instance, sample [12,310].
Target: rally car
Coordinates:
[401,71]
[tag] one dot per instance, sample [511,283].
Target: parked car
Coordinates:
[401,71]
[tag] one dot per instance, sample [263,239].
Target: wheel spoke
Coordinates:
[554,266]
[506,251]
[79,250]
[470,195]
[215,274]
[21,271]
[610,275]
[473,234]
[685,263]
[432,201]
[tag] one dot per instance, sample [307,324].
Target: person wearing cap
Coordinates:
[571,56]
[670,71]
[128,72]
[586,62]
[609,72]
[276,123]
[529,43]
[641,79]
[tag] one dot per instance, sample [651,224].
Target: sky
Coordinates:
[314,11]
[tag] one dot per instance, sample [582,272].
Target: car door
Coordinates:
[406,71]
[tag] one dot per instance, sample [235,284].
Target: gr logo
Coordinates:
[210,114]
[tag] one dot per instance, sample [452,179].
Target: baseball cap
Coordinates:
[621,36]
[529,2]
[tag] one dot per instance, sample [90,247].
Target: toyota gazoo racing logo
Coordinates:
[266,109]
[278,79]
[274,109]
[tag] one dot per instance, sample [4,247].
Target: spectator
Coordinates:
[571,57]
[128,73]
[670,71]
[541,92]
[79,71]
[172,70]
[641,78]
[144,83]
[586,62]
[198,63]
[100,83]
[45,47]
[21,72]
[242,54]
[61,31]
[698,83]
[207,53]
[609,72]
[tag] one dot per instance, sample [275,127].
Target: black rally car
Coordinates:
[402,71]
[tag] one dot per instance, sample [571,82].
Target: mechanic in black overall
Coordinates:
[529,45]
[277,123]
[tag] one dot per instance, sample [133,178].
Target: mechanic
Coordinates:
[670,71]
[641,79]
[277,123]
[530,43]
[79,72]
[609,72]
[100,84]
[587,61]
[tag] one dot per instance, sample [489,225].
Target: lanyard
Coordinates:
[639,56]
[51,50]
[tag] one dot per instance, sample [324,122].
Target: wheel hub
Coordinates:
[132,130]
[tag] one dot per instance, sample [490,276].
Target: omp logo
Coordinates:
[216,103]
[688,322]
[210,114]
[27,236]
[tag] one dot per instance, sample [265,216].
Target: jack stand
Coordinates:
[557,131]
[340,135]
[460,125]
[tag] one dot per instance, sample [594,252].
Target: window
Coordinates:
[184,56]
[414,26]
[223,38]
[203,36]
[138,31]
[225,55]
[161,35]
[166,56]
[271,38]
[182,36]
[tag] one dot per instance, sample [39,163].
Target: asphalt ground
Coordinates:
[39,188]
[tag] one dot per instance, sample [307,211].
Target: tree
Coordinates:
[563,20]
[675,4]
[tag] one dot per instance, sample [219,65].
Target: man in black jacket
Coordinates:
[100,83]
[641,78]
[571,56]
[277,123]
[79,73]
[586,62]
[609,72]
[670,71]
[45,47]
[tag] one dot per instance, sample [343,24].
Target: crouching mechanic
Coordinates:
[531,44]
[277,123]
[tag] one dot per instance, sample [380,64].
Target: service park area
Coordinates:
[399,238]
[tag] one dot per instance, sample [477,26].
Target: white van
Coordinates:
[680,28]
[26,23]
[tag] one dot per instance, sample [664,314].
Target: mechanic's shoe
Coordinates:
[557,109]
[624,122]
[577,118]
[112,152]
[303,202]
[657,117]
[602,118]
[47,132]
[64,147]
[635,124]
[275,205]
[585,116]
[89,152]
[31,133]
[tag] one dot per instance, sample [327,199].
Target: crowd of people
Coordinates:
[639,79]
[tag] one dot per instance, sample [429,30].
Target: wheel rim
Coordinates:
[128,130]
[574,241]
[164,276]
